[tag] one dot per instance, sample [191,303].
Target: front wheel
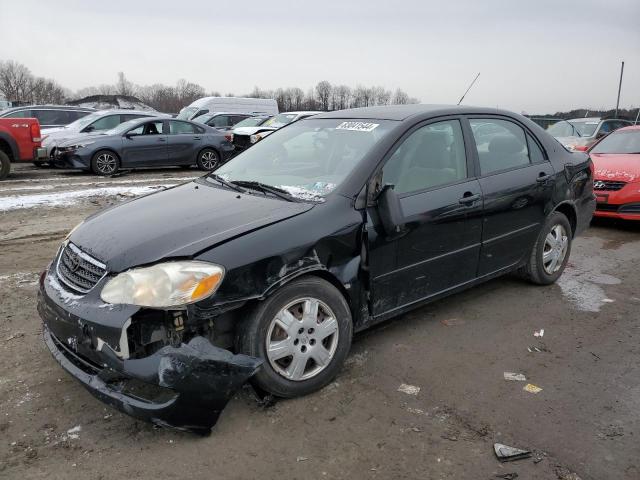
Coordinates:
[551,252]
[303,333]
[105,162]
[208,159]
[5,165]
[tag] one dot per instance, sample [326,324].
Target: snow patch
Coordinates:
[582,284]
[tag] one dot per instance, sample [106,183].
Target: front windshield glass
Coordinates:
[203,118]
[187,113]
[84,121]
[308,159]
[562,129]
[626,141]
[123,127]
[250,122]
[280,120]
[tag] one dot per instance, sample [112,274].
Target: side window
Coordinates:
[238,118]
[75,115]
[51,117]
[129,116]
[106,123]
[501,144]
[176,128]
[535,153]
[431,156]
[221,121]
[150,128]
[606,127]
[20,114]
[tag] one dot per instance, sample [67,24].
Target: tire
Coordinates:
[5,165]
[551,252]
[305,339]
[208,159]
[40,164]
[105,162]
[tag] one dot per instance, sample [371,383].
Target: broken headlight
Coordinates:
[164,285]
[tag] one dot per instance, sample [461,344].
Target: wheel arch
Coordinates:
[9,146]
[568,209]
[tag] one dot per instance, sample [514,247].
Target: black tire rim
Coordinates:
[106,163]
[209,159]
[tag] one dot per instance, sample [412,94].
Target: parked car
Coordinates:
[19,141]
[265,268]
[244,137]
[49,116]
[581,133]
[99,121]
[616,160]
[222,120]
[145,142]
[229,104]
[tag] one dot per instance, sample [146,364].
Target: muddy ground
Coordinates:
[585,423]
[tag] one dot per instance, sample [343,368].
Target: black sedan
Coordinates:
[146,142]
[264,269]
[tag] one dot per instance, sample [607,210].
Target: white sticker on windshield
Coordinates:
[357,126]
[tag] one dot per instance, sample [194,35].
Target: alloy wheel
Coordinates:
[555,249]
[302,339]
[209,160]
[106,163]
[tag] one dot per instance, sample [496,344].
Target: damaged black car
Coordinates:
[263,270]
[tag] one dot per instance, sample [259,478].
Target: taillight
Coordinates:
[229,136]
[35,132]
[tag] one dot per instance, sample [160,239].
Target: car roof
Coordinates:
[630,127]
[403,112]
[585,119]
[57,107]
[150,113]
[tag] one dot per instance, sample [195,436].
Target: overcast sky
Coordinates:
[534,55]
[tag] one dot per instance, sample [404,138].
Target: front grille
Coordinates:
[608,185]
[241,141]
[78,270]
[606,207]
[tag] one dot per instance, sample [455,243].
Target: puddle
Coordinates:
[582,284]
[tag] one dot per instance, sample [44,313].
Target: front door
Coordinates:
[437,248]
[145,146]
[516,180]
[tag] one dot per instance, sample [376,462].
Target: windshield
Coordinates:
[203,118]
[187,112]
[84,121]
[308,159]
[585,128]
[626,141]
[280,120]
[250,122]
[123,127]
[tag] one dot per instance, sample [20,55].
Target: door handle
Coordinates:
[543,177]
[162,139]
[468,198]
[197,138]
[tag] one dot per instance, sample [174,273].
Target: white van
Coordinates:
[204,105]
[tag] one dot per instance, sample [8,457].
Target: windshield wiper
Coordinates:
[278,192]
[226,183]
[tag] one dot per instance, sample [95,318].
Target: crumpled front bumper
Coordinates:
[183,387]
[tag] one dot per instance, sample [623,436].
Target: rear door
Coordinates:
[185,141]
[516,179]
[145,146]
[437,248]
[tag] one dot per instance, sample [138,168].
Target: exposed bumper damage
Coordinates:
[183,385]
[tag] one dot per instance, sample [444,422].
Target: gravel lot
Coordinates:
[585,422]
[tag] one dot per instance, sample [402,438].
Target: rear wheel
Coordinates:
[551,252]
[208,159]
[303,333]
[105,162]
[5,165]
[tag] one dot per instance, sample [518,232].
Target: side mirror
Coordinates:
[89,128]
[390,210]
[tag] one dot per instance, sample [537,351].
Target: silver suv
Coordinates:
[49,116]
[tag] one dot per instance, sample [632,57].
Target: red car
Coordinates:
[20,141]
[616,181]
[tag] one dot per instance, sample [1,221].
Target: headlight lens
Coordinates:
[78,145]
[164,285]
[255,138]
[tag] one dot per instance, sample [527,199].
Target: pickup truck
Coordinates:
[20,141]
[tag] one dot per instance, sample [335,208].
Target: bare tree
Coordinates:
[15,81]
[400,97]
[323,89]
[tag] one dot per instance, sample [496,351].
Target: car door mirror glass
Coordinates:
[390,210]
[89,128]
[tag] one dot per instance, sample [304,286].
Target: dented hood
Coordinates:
[178,222]
[621,167]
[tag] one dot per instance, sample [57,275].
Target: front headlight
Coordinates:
[164,285]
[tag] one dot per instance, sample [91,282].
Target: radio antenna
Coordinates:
[467,91]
